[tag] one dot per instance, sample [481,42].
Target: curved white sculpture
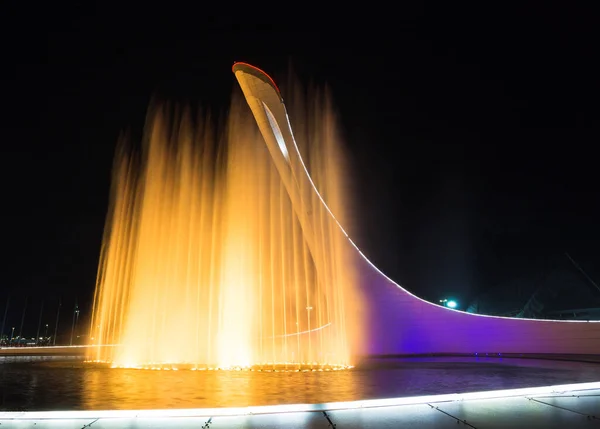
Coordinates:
[399,322]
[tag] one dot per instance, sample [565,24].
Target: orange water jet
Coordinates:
[204,263]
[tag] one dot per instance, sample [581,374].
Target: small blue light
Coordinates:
[451,304]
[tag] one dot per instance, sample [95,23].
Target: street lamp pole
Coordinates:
[23,318]
[75,317]
[56,325]
[37,335]
[4,318]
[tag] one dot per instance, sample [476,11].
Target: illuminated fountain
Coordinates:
[209,259]
[222,251]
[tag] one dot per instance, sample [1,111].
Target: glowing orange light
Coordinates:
[204,264]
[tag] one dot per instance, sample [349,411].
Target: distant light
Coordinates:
[451,304]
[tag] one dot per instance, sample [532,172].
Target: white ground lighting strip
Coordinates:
[296,408]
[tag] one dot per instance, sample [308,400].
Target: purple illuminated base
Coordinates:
[399,323]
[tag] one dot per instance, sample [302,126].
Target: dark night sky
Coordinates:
[472,133]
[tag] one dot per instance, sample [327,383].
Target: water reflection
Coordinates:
[46,383]
[177,389]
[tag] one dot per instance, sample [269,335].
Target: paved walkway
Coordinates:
[567,406]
